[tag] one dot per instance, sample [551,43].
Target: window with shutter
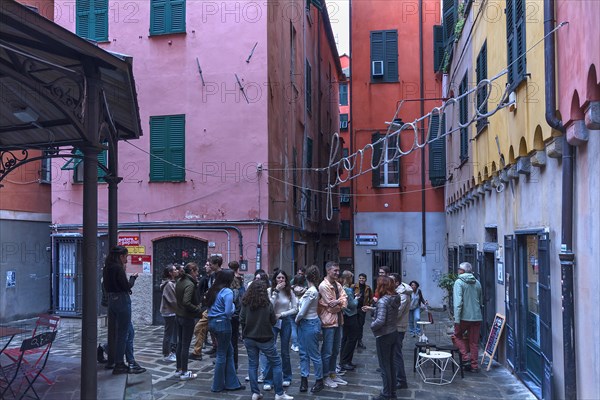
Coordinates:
[343,122]
[449,10]
[464,117]
[308,88]
[167,16]
[438,48]
[481,74]
[377,150]
[167,148]
[437,150]
[515,41]
[345,196]
[92,19]
[388,173]
[78,169]
[343,94]
[384,56]
[345,230]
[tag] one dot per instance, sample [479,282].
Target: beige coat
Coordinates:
[404,291]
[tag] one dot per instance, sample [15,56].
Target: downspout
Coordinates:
[351,128]
[422,111]
[318,244]
[566,255]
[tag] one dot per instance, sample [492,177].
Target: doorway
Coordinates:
[391,258]
[180,250]
[488,286]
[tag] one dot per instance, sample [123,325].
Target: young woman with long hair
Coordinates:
[219,300]
[309,331]
[285,305]
[257,319]
[383,325]
[351,328]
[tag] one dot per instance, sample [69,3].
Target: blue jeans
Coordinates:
[285,332]
[129,344]
[170,336]
[330,348]
[224,375]
[185,331]
[294,334]
[413,317]
[308,332]
[273,360]
[399,360]
[119,306]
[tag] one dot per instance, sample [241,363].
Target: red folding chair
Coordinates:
[27,372]
[45,323]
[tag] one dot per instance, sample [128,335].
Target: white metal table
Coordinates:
[440,361]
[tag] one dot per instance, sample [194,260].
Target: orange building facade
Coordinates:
[398,215]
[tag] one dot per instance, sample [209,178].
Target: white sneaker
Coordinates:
[283,396]
[260,379]
[295,348]
[340,371]
[267,387]
[247,378]
[339,381]
[186,376]
[330,383]
[286,383]
[257,396]
[170,358]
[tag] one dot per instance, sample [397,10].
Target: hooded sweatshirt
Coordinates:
[404,291]
[467,298]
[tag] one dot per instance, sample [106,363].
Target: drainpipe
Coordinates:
[422,110]
[351,130]
[566,255]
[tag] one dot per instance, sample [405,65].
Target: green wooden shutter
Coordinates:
[176,148]
[158,17]
[390,69]
[377,150]
[510,40]
[545,312]
[102,160]
[101,20]
[449,10]
[82,23]
[177,17]
[519,12]
[377,52]
[343,94]
[464,116]
[438,48]
[92,19]
[437,151]
[481,73]
[158,148]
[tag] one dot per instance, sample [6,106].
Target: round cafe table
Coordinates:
[439,361]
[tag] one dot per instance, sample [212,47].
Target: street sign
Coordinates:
[128,241]
[140,259]
[366,239]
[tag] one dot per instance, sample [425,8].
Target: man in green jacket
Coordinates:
[467,316]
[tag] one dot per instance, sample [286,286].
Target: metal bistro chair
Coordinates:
[26,371]
[45,323]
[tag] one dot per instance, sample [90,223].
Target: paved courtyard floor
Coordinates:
[160,382]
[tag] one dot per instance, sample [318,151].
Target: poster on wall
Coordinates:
[500,273]
[11,279]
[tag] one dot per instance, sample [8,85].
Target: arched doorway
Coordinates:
[177,249]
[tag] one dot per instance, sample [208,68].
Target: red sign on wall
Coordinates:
[128,241]
[140,259]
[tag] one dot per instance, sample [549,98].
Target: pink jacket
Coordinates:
[329,315]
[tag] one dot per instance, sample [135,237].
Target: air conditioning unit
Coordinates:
[343,124]
[512,101]
[377,68]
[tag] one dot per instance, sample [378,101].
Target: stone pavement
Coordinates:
[160,382]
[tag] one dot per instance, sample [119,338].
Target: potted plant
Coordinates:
[446,282]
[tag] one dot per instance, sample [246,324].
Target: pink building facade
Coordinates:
[235,105]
